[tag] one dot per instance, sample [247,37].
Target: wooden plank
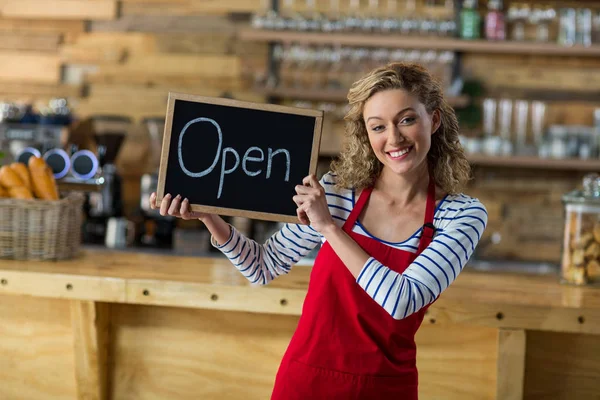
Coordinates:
[445,312]
[225,6]
[160,23]
[60,9]
[194,43]
[30,41]
[175,70]
[29,67]
[562,366]
[36,349]
[218,297]
[511,364]
[36,91]
[107,47]
[23,25]
[63,286]
[156,9]
[139,101]
[91,332]
[179,354]
[456,362]
[190,7]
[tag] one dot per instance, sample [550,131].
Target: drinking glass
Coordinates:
[505,124]
[538,116]
[489,117]
[521,118]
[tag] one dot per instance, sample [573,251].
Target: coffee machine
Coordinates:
[109,132]
[156,230]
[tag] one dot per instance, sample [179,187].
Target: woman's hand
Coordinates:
[312,205]
[176,207]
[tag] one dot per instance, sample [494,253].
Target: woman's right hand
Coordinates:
[176,207]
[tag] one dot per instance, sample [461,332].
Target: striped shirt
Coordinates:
[459,221]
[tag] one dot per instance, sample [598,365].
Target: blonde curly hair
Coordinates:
[357,166]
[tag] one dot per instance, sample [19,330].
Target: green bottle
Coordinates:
[470,20]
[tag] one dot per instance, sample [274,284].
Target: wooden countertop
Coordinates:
[488,298]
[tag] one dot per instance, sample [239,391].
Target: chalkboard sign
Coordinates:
[237,158]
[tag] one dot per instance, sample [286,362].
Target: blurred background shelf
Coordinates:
[534,162]
[89,185]
[333,95]
[410,42]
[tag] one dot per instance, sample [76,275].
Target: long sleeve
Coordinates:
[261,263]
[434,269]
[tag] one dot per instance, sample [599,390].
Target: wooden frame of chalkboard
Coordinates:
[176,98]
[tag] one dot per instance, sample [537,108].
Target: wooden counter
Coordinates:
[148,326]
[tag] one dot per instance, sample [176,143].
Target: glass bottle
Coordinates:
[495,24]
[470,20]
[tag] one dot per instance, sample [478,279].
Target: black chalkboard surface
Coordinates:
[237,158]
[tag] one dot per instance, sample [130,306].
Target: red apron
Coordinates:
[346,346]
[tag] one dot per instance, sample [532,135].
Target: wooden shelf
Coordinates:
[337,95]
[415,42]
[534,162]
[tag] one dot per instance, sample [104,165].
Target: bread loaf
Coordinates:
[23,172]
[4,192]
[42,179]
[9,178]
[20,192]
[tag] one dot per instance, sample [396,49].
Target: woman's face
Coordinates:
[399,130]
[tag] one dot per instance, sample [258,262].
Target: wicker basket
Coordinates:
[40,229]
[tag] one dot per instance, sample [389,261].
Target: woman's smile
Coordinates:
[399,154]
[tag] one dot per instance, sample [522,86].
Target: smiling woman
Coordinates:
[395,233]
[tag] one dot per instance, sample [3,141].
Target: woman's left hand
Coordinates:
[312,204]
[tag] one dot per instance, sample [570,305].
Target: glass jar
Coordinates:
[580,264]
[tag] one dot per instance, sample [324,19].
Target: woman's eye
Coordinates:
[377,128]
[408,120]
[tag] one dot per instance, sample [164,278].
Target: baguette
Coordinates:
[20,192]
[42,179]
[9,178]
[23,172]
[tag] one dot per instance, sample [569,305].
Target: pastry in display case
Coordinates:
[580,263]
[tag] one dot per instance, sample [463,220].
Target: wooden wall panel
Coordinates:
[185,7]
[566,372]
[156,355]
[529,217]
[31,67]
[47,42]
[11,91]
[465,369]
[69,30]
[59,9]
[36,349]
[167,353]
[107,47]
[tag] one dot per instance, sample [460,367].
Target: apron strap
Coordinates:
[428,227]
[357,209]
